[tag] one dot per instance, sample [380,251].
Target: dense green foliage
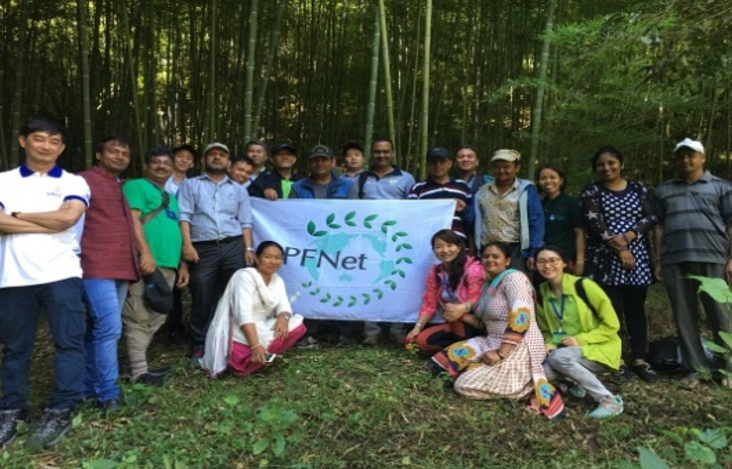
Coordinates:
[639,74]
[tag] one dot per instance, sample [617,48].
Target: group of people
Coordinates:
[85,248]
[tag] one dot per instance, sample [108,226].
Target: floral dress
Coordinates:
[506,306]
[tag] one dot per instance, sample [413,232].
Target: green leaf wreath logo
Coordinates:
[393,236]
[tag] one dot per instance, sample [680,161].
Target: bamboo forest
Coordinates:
[554,79]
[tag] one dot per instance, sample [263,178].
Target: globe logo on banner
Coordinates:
[343,245]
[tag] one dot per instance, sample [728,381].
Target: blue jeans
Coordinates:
[104,299]
[19,307]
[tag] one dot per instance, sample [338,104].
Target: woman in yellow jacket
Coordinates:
[580,330]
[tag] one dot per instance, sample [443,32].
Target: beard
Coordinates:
[214,170]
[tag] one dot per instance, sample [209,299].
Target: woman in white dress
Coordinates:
[254,319]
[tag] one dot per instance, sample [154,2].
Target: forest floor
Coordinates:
[357,407]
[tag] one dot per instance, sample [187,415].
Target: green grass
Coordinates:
[364,408]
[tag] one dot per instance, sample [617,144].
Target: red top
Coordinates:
[468,289]
[108,245]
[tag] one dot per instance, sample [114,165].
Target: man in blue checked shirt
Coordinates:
[216,227]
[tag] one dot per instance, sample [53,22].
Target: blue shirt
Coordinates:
[214,210]
[393,186]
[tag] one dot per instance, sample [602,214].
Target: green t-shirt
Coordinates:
[162,232]
[566,308]
[562,215]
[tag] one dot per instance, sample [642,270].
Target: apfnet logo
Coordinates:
[369,247]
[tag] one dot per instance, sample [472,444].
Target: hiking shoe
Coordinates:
[370,340]
[573,389]
[9,420]
[150,379]
[645,372]
[624,373]
[55,423]
[307,342]
[609,407]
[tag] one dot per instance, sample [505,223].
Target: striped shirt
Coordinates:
[694,219]
[453,189]
[215,210]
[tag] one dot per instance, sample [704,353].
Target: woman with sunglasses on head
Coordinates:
[580,330]
[507,361]
[453,287]
[619,215]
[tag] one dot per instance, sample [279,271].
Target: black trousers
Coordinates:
[209,276]
[629,303]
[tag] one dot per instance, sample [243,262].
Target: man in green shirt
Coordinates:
[155,218]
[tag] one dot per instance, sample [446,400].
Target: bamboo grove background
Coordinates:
[554,79]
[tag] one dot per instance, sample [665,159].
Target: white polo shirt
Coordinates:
[34,258]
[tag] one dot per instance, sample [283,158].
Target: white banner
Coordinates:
[355,260]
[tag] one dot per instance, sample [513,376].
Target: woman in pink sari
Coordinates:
[253,321]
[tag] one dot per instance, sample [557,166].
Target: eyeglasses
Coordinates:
[554,261]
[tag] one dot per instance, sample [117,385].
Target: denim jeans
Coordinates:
[104,299]
[19,308]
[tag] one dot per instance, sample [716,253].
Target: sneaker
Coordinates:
[573,389]
[55,423]
[150,379]
[370,340]
[624,373]
[307,342]
[9,420]
[110,406]
[609,407]
[645,372]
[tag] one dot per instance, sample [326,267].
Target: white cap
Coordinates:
[213,145]
[506,155]
[689,143]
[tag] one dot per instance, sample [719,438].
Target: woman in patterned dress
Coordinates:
[507,361]
[619,215]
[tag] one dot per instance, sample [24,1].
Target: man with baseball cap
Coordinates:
[509,210]
[323,183]
[440,185]
[216,227]
[693,238]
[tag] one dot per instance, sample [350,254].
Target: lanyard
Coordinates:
[559,313]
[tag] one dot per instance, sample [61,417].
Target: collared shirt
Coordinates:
[36,258]
[452,189]
[392,186]
[171,186]
[500,214]
[108,244]
[215,210]
[694,219]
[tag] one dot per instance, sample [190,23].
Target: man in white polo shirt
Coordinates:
[40,204]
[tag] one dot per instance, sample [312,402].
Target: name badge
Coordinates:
[557,337]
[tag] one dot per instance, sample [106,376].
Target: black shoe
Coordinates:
[645,372]
[9,420]
[111,406]
[150,379]
[623,373]
[55,423]
[161,371]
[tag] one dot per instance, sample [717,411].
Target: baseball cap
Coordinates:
[319,151]
[214,145]
[437,153]
[506,155]
[283,146]
[689,143]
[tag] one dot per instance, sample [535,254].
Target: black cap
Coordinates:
[437,153]
[320,151]
[283,146]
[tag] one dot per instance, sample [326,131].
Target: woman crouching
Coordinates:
[253,321]
[580,330]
